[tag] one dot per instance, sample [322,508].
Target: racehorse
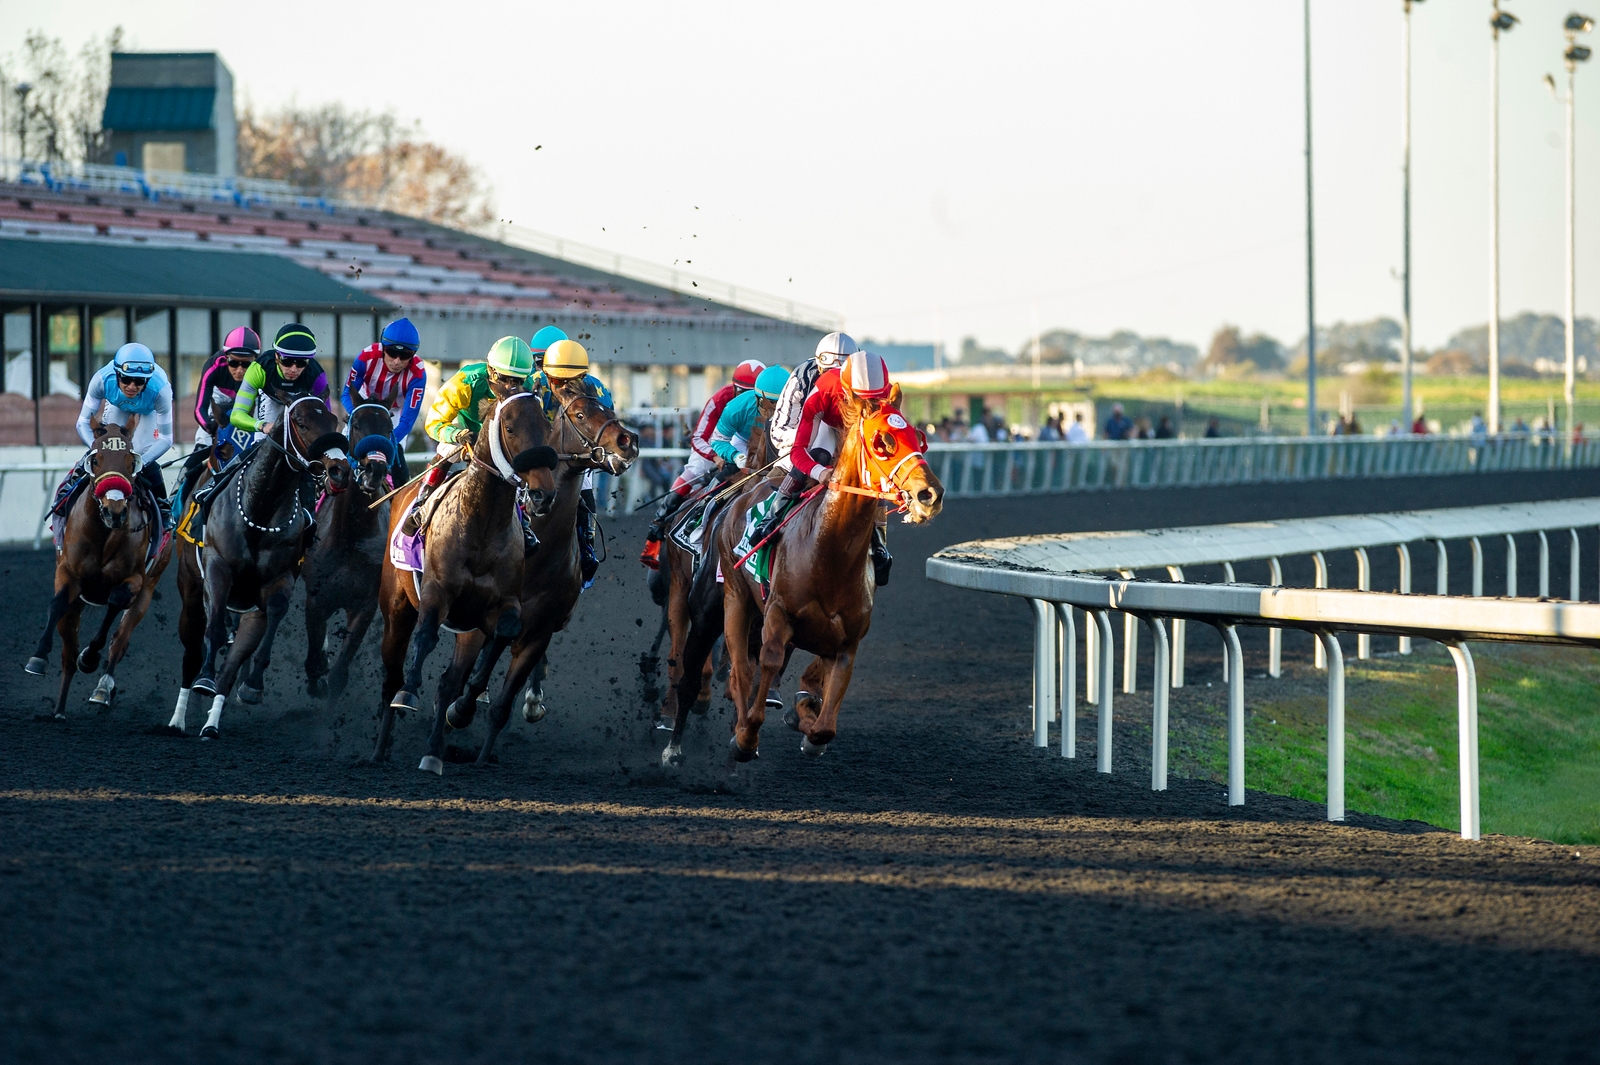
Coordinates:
[588,436]
[345,562]
[678,572]
[256,534]
[471,578]
[819,598]
[104,560]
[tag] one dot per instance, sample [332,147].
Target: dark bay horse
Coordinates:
[820,595]
[345,563]
[256,534]
[471,580]
[588,436]
[678,566]
[104,561]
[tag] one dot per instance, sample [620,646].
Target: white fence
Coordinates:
[1055,574]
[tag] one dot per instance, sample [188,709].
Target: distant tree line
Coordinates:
[371,158]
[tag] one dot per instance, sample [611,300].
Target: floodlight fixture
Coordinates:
[1577,23]
[1502,20]
[1578,54]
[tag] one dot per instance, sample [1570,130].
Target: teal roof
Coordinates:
[48,271]
[179,108]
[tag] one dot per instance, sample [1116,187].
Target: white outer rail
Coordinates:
[1322,612]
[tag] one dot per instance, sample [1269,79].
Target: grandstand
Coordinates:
[341,268]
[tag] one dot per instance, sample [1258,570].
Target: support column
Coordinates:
[1130,646]
[1275,636]
[1572,577]
[1107,648]
[1044,670]
[1330,641]
[85,322]
[1363,583]
[1069,679]
[1467,737]
[1179,634]
[1477,566]
[1544,565]
[1319,657]
[1405,587]
[1159,702]
[1443,569]
[1511,566]
[1233,658]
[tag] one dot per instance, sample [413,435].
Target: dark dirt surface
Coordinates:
[932,888]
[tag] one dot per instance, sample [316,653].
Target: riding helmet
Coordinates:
[242,341]
[134,361]
[511,356]
[400,333]
[834,349]
[771,382]
[544,338]
[295,341]
[744,375]
[867,374]
[566,358]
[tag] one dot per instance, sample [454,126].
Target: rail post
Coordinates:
[1467,737]
[1330,641]
[1511,566]
[1274,636]
[1363,583]
[1544,565]
[1130,646]
[1069,680]
[1044,670]
[1107,648]
[1572,565]
[1091,659]
[1405,587]
[1233,662]
[1477,567]
[1159,704]
[1179,632]
[1443,569]
[1319,657]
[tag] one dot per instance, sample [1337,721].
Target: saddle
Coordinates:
[689,530]
[192,525]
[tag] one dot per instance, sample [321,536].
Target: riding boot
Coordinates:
[588,563]
[791,488]
[433,479]
[881,559]
[651,555]
[192,465]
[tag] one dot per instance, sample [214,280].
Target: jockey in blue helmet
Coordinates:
[132,384]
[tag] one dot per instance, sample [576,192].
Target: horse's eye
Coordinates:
[884,445]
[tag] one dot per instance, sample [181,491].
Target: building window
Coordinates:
[164,155]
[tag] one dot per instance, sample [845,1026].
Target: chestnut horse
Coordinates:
[256,533]
[819,598]
[471,581]
[104,560]
[345,562]
[589,436]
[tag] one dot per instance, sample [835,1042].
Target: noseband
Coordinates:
[597,453]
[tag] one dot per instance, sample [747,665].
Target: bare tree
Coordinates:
[370,158]
[60,120]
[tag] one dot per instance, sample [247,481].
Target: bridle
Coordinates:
[111,483]
[355,442]
[294,454]
[887,487]
[501,465]
[597,453]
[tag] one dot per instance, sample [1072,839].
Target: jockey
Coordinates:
[832,350]
[731,439]
[702,459]
[868,376]
[463,404]
[288,372]
[132,384]
[213,401]
[564,361]
[540,343]
[390,374]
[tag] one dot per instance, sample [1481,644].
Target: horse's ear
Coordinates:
[894,395]
[98,429]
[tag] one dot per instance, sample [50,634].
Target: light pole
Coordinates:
[1311,288]
[1499,21]
[1405,166]
[1575,54]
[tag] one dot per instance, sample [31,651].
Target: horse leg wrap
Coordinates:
[212,728]
[180,713]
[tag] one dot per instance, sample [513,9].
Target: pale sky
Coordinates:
[937,170]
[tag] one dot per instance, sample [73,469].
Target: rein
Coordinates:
[597,453]
[899,496]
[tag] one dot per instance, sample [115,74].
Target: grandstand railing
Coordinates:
[160,185]
[1055,575]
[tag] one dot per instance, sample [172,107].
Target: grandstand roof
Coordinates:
[166,108]
[87,271]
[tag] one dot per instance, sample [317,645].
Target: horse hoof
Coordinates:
[431,764]
[317,687]
[210,732]
[249,695]
[483,700]
[774,703]
[815,750]
[104,692]
[403,700]
[533,710]
[36,666]
[672,755]
[457,717]
[205,688]
[58,716]
[791,717]
[88,661]
[665,724]
[739,754]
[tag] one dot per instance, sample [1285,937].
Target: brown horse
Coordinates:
[104,560]
[471,581]
[819,598]
[679,572]
[588,436]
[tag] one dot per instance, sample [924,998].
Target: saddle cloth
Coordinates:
[758,565]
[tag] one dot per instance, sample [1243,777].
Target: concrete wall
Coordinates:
[208,151]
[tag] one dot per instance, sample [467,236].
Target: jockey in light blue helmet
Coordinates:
[132,384]
[542,340]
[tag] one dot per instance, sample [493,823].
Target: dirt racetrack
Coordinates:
[934,888]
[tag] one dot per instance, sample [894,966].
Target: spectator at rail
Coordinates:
[1164,429]
[1117,426]
[1076,433]
[979,433]
[1519,427]
[1142,430]
[1419,427]
[1213,428]
[1478,430]
[1050,431]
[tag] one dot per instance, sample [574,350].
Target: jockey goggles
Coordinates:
[301,361]
[399,351]
[136,371]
